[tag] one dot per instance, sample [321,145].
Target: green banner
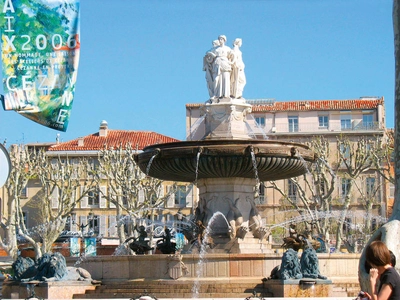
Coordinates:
[40,56]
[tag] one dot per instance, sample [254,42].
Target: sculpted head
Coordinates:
[222,39]
[237,42]
[215,43]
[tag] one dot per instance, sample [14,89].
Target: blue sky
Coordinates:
[141,61]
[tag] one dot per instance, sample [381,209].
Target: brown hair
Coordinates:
[377,254]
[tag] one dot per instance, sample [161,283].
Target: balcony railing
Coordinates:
[314,128]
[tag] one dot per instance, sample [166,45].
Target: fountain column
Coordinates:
[234,198]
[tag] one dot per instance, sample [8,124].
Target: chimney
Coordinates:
[80,142]
[103,128]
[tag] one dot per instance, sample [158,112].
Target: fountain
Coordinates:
[227,163]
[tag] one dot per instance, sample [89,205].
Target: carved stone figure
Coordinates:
[221,58]
[24,268]
[309,264]
[238,77]
[290,267]
[208,61]
[49,267]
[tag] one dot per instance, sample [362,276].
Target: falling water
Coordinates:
[197,164]
[253,160]
[250,131]
[203,251]
[150,162]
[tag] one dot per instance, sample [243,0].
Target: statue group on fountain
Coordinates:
[240,215]
[140,245]
[224,69]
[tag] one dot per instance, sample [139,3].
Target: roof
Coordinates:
[312,105]
[113,138]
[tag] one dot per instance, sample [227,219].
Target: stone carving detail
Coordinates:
[238,78]
[238,224]
[290,267]
[49,267]
[293,268]
[309,264]
[224,69]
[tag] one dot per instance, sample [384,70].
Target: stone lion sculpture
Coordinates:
[24,268]
[290,266]
[309,264]
[49,267]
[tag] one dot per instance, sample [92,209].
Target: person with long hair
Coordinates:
[379,258]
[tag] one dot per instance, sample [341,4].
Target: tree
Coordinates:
[315,189]
[23,169]
[60,181]
[354,158]
[134,194]
[65,182]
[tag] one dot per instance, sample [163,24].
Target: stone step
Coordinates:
[171,289]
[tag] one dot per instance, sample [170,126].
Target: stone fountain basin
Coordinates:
[225,159]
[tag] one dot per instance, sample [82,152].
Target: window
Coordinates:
[94,224]
[125,198]
[260,121]
[71,225]
[292,190]
[368,121]
[345,151]
[323,121]
[93,198]
[180,195]
[345,121]
[391,190]
[293,123]
[370,186]
[345,187]
[24,192]
[261,194]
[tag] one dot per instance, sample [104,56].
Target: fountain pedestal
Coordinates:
[226,119]
[299,288]
[233,199]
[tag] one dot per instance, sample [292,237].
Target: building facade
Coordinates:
[303,122]
[96,215]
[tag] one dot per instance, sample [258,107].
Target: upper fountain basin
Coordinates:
[225,159]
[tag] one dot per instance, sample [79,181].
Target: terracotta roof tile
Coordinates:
[114,138]
[310,105]
[356,104]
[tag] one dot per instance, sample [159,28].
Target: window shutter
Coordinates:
[84,200]
[189,195]
[102,199]
[141,196]
[112,224]
[102,225]
[171,198]
[111,196]
[162,187]
[54,198]
[73,197]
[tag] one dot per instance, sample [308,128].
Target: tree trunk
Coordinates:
[396,31]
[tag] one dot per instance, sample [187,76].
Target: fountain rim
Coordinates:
[216,147]
[219,142]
